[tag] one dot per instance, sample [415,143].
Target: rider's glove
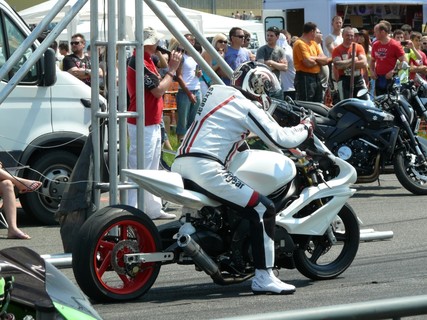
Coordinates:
[308,123]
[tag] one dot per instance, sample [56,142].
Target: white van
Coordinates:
[43,123]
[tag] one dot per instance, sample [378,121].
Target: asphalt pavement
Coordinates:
[382,269]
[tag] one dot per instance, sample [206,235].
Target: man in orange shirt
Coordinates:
[342,58]
[307,61]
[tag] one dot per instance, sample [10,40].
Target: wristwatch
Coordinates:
[87,72]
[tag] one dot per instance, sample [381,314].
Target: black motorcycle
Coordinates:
[370,138]
[413,97]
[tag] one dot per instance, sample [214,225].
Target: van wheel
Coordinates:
[54,170]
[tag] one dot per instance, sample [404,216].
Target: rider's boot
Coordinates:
[265,282]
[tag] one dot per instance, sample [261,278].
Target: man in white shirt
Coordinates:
[335,38]
[287,77]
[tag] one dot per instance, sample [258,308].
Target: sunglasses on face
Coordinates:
[75,43]
[222,41]
[248,39]
[241,37]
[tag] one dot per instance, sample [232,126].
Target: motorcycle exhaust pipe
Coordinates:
[204,262]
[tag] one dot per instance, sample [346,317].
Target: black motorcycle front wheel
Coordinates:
[98,256]
[320,259]
[411,174]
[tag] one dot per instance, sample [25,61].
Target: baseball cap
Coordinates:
[151,36]
[355,31]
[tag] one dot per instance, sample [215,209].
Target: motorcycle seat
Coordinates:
[170,187]
[320,111]
[316,107]
[321,120]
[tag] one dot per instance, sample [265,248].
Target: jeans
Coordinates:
[308,87]
[186,110]
[344,87]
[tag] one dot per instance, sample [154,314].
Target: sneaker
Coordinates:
[166,216]
[265,282]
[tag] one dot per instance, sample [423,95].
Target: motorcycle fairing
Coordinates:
[41,287]
[364,109]
[385,138]
[170,187]
[336,190]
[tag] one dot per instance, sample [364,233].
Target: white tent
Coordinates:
[208,24]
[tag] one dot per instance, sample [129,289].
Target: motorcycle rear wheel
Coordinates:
[407,173]
[319,259]
[98,258]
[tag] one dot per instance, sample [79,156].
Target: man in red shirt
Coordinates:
[155,87]
[342,59]
[384,55]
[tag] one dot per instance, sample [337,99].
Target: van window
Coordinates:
[10,39]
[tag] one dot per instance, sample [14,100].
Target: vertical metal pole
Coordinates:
[139,37]
[122,96]
[112,101]
[96,136]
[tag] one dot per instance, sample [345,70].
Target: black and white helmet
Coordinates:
[257,79]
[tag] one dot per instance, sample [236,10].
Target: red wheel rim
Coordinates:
[108,258]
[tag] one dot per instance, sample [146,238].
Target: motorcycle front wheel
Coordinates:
[319,259]
[411,174]
[98,256]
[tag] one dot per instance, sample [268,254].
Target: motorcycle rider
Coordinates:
[224,119]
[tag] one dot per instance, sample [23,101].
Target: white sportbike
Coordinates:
[120,250]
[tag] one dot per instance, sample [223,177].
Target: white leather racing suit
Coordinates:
[223,121]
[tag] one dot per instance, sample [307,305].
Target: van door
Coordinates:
[26,112]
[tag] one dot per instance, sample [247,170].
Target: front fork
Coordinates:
[414,141]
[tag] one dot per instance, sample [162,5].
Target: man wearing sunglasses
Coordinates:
[235,54]
[77,63]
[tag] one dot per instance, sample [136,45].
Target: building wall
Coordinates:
[223,7]
[322,11]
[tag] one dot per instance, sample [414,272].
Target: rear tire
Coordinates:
[318,259]
[98,254]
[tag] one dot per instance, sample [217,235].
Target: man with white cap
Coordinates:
[155,86]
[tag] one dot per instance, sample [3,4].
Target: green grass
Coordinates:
[168,157]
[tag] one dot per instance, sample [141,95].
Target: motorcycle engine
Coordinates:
[360,153]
